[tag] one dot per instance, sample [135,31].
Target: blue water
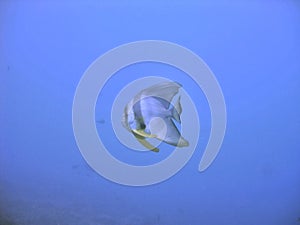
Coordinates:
[253,48]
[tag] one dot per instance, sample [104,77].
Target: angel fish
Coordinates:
[150,114]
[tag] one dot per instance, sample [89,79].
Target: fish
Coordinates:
[150,114]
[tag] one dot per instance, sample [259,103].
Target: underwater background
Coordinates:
[252,47]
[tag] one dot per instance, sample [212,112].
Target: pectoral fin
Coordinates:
[145,143]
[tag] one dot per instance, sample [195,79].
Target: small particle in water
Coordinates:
[75,166]
[102,121]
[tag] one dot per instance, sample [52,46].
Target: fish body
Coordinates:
[150,114]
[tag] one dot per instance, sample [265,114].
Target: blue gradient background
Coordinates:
[251,46]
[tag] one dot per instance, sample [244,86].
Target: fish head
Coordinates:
[127,117]
[132,121]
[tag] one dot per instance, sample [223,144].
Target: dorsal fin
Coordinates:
[163,90]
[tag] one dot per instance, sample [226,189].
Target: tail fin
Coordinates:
[176,111]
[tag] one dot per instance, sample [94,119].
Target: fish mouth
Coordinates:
[124,120]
